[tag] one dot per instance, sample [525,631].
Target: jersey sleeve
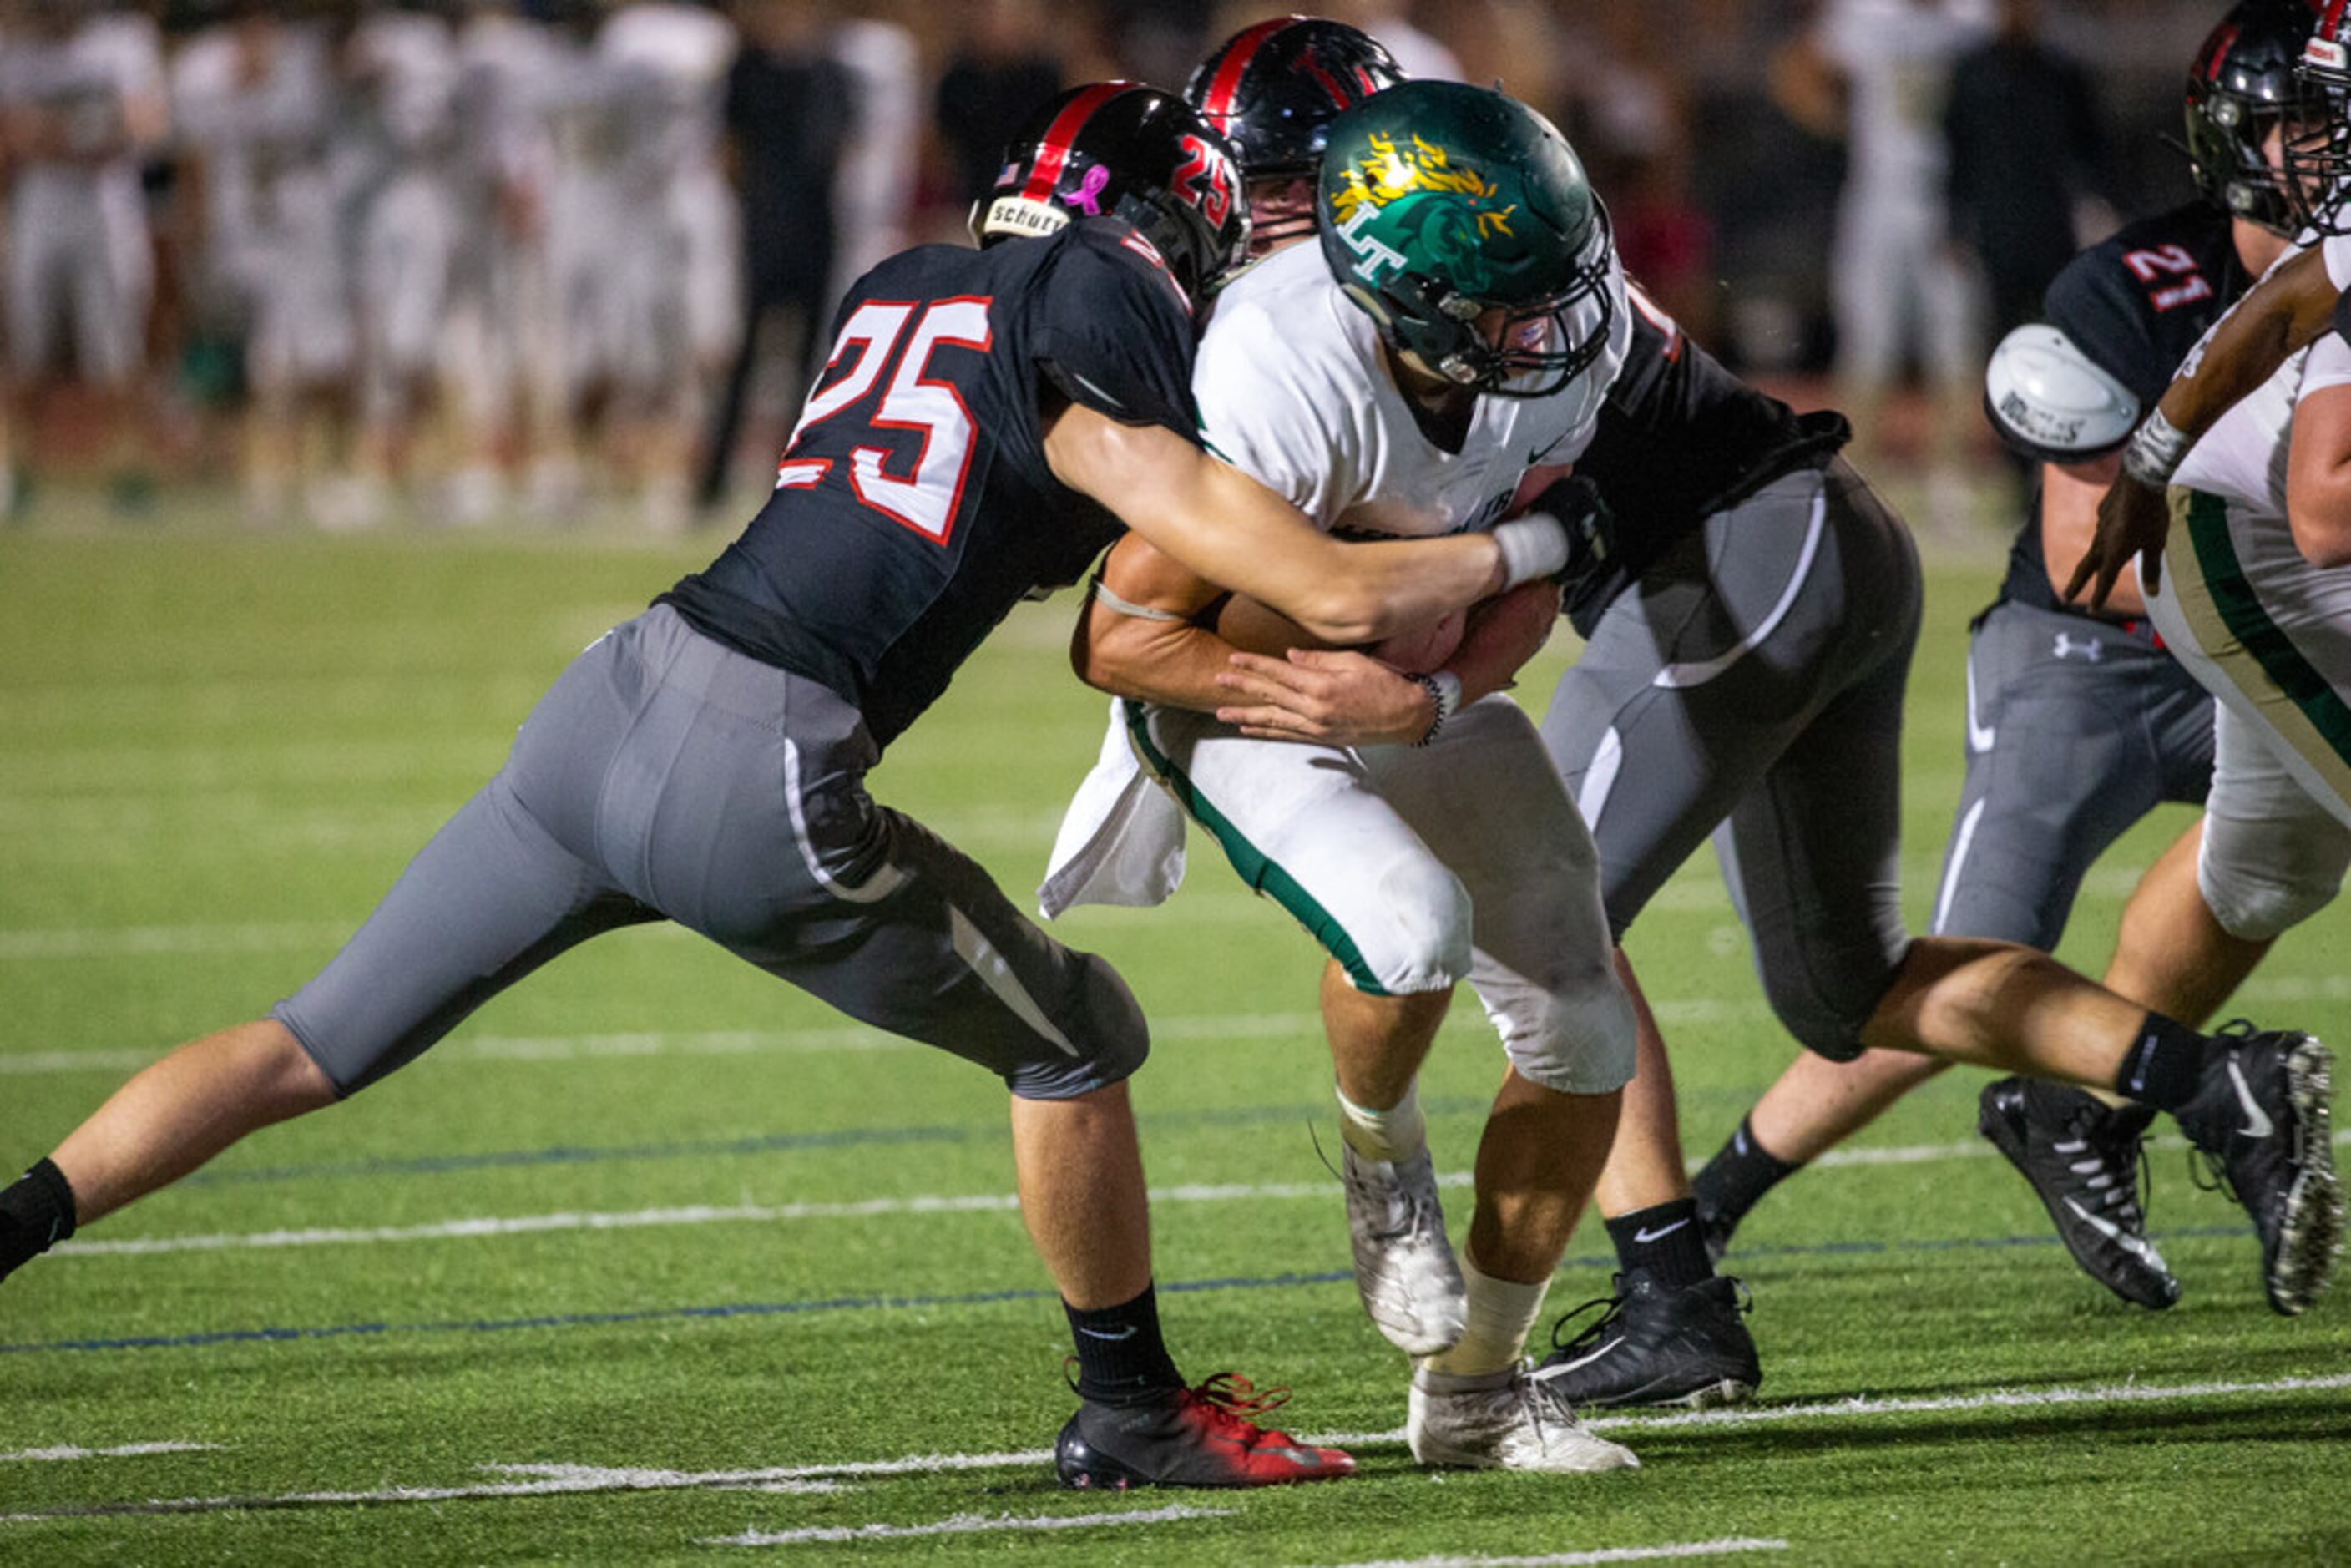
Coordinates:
[1113,332]
[1273,415]
[2099,305]
[2336,251]
[2328,365]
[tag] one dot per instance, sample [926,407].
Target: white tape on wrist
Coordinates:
[2155,451]
[1533,546]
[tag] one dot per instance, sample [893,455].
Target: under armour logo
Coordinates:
[2089,648]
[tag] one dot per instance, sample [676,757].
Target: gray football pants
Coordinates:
[666,776]
[1749,688]
[2075,729]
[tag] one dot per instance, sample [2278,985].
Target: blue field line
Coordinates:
[757,1144]
[975,1297]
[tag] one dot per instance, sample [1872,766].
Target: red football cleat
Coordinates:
[1199,1436]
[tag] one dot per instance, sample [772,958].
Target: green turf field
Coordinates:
[657,1261]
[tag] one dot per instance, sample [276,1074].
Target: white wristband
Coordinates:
[1533,546]
[2155,451]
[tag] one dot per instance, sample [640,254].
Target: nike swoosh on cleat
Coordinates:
[2257,1121]
[2118,1234]
[1644,1235]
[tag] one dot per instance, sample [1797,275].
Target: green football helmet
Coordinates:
[1441,201]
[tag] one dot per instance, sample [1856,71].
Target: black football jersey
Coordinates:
[1679,439]
[914,505]
[2136,304]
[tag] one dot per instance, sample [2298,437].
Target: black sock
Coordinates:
[2163,1066]
[1122,1360]
[1738,1176]
[37,1212]
[1663,1240]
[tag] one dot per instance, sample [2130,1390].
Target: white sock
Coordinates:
[1395,1133]
[1501,1314]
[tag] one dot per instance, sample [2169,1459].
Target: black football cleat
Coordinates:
[1655,1346]
[2083,1159]
[2262,1121]
[1199,1436]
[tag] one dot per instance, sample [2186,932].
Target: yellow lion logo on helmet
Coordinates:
[1389,172]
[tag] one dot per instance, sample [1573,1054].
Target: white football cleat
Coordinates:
[1405,1271]
[1506,1420]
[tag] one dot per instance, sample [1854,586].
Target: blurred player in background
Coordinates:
[83,101]
[400,69]
[1877,73]
[258,105]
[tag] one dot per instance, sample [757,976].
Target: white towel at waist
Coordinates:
[1122,839]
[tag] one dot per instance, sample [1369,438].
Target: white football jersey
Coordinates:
[1293,391]
[1896,56]
[2243,457]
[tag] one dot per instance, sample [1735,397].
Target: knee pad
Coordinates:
[1415,937]
[2261,879]
[1575,1039]
[1826,1008]
[1114,1018]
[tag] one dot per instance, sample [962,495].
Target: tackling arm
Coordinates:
[2286,311]
[1142,631]
[1230,529]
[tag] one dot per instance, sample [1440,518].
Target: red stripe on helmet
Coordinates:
[1217,103]
[2216,48]
[1053,150]
[2330,22]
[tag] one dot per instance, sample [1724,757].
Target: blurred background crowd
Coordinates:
[457,261]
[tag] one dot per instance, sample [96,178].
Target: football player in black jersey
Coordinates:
[988,422]
[2078,723]
[1752,610]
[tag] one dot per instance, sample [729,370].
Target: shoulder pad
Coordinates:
[2049,400]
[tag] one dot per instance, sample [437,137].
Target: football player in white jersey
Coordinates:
[1895,274]
[2235,504]
[82,100]
[404,62]
[255,105]
[1419,371]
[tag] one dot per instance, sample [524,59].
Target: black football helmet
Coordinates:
[1273,90]
[2244,83]
[1117,149]
[2318,162]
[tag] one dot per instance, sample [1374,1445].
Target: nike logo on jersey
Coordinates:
[2257,1121]
[2132,1245]
[1644,1235]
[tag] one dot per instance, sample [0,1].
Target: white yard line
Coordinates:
[1863,1407]
[552,1480]
[478,1226]
[1722,1548]
[121,1451]
[964,1524]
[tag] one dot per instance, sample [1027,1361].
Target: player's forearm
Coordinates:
[1503,634]
[1233,531]
[2284,313]
[1170,662]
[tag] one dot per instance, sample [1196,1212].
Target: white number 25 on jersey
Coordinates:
[928,499]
